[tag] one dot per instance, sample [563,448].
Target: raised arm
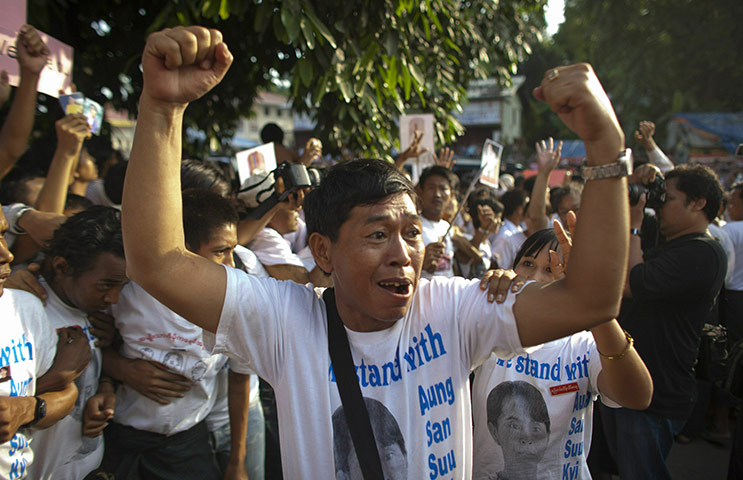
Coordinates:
[32,53]
[591,291]
[72,130]
[548,156]
[179,66]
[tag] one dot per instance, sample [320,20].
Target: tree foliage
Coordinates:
[660,57]
[356,66]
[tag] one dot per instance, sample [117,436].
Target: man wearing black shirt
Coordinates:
[669,293]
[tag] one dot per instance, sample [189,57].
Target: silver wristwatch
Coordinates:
[621,167]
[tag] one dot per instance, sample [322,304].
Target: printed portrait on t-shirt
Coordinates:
[389,439]
[198,371]
[4,373]
[147,353]
[519,422]
[174,360]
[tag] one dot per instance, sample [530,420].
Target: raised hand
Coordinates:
[446,158]
[312,151]
[576,95]
[548,155]
[32,51]
[72,131]
[182,64]
[434,251]
[566,245]
[413,151]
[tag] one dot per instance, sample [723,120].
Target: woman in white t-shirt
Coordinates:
[512,439]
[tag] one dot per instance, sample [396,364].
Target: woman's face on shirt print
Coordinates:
[522,439]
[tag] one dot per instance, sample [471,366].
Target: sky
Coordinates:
[554,15]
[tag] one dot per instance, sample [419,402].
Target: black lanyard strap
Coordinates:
[354,408]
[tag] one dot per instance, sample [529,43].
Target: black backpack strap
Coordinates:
[354,408]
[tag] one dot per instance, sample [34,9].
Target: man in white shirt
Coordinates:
[435,190]
[27,350]
[414,342]
[170,381]
[733,304]
[83,275]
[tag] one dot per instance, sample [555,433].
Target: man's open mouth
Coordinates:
[400,288]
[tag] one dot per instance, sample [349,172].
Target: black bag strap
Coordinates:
[354,408]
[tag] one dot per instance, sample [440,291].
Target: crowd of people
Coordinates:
[155,326]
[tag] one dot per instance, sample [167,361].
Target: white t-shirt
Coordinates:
[432,232]
[564,373]
[273,249]
[220,414]
[152,331]
[734,231]
[27,348]
[67,452]
[501,245]
[418,368]
[508,247]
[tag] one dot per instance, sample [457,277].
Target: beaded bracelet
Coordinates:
[630,343]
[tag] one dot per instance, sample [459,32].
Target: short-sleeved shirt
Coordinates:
[27,348]
[418,369]
[673,292]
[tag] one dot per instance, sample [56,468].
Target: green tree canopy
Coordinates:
[356,66]
[655,58]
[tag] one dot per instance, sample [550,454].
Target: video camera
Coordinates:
[259,192]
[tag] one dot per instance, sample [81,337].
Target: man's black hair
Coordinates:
[528,393]
[699,181]
[386,432]
[429,172]
[348,185]
[204,175]
[558,193]
[272,133]
[87,234]
[536,242]
[77,202]
[204,211]
[477,198]
[15,185]
[528,185]
[512,200]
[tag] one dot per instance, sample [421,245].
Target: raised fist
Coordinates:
[32,51]
[576,95]
[182,64]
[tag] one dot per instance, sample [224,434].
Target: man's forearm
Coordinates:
[239,406]
[53,194]
[19,122]
[59,404]
[536,214]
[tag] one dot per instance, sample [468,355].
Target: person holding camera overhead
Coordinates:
[669,293]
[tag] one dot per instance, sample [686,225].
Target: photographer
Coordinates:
[669,293]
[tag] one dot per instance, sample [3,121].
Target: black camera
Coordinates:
[295,176]
[655,193]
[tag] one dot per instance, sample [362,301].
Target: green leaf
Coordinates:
[224,10]
[345,87]
[319,25]
[417,74]
[290,23]
[305,71]
[307,32]
[406,83]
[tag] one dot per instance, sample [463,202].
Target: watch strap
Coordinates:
[39,412]
[621,167]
